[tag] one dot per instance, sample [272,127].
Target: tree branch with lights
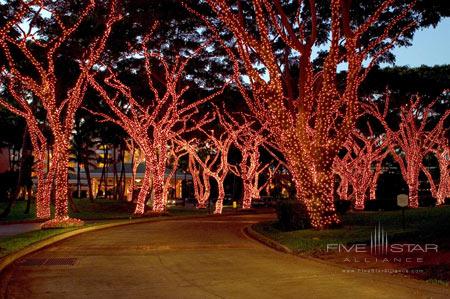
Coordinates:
[162,116]
[310,120]
[40,83]
[215,164]
[414,138]
[360,167]
[249,140]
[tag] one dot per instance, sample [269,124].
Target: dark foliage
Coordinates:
[292,215]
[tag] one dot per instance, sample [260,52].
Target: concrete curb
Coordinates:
[250,232]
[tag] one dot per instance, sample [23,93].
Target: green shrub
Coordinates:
[292,215]
[342,206]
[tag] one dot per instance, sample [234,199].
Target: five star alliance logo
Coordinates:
[378,241]
[379,246]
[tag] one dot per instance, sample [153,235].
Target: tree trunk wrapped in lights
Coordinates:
[309,122]
[412,141]
[216,164]
[40,81]
[176,152]
[442,191]
[40,149]
[200,180]
[360,166]
[248,141]
[136,160]
[441,150]
[155,121]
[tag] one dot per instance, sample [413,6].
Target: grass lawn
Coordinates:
[14,243]
[422,225]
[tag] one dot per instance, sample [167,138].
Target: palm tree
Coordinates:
[83,154]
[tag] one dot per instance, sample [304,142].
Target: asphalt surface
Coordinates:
[197,258]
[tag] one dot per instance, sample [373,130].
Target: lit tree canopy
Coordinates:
[33,52]
[309,118]
[414,134]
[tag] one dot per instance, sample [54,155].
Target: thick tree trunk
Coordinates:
[317,195]
[359,199]
[159,171]
[61,160]
[444,182]
[145,187]
[43,193]
[343,189]
[220,198]
[159,204]
[203,200]
[247,194]
[413,188]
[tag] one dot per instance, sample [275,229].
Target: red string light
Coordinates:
[413,140]
[160,120]
[361,166]
[309,128]
[214,165]
[60,113]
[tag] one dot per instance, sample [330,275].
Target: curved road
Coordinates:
[195,258]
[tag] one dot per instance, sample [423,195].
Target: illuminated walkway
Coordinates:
[202,258]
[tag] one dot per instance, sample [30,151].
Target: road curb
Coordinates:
[250,232]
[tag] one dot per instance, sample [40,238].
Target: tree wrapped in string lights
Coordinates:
[360,166]
[412,140]
[311,118]
[441,150]
[136,159]
[175,153]
[248,141]
[32,76]
[215,164]
[154,119]
[200,175]
[40,148]
[441,189]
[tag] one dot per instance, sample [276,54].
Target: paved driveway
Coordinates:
[198,258]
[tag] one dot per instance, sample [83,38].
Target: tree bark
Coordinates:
[220,198]
[413,187]
[247,194]
[145,187]
[61,160]
[317,195]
